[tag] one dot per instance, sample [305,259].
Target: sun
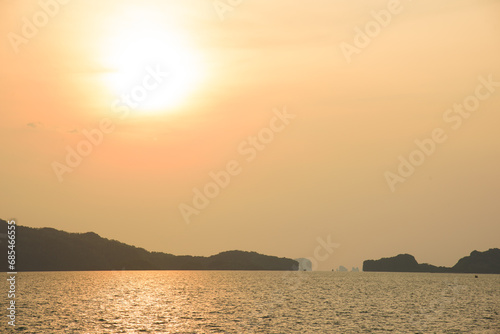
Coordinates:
[139,42]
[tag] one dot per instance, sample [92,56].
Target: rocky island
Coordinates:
[487,262]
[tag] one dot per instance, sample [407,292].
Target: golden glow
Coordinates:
[353,122]
[138,41]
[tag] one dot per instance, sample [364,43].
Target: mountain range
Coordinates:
[48,249]
[487,262]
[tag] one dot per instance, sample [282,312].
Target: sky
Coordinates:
[338,131]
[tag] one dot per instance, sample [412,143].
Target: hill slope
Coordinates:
[48,249]
[487,262]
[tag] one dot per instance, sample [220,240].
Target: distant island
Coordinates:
[48,249]
[304,264]
[487,262]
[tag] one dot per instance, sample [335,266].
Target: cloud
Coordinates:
[35,124]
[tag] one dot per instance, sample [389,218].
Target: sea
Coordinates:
[252,302]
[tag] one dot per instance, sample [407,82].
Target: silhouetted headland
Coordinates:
[487,262]
[48,249]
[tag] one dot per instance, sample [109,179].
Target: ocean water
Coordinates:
[253,302]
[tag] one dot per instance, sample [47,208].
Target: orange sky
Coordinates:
[229,70]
